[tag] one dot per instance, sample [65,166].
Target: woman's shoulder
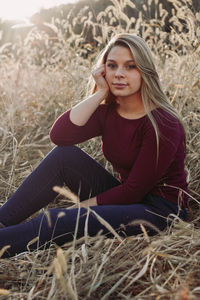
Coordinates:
[167,121]
[101,113]
[164,117]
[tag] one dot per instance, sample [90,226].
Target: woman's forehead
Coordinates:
[120,53]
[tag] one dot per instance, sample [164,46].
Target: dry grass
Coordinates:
[32,95]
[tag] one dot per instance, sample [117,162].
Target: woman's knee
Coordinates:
[63,153]
[63,150]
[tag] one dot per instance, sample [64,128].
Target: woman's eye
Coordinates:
[112,66]
[130,67]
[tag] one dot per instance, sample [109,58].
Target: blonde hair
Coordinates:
[151,90]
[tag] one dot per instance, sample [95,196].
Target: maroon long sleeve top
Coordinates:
[131,147]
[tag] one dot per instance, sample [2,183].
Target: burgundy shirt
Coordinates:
[130,146]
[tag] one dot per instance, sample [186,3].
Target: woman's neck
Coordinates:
[130,107]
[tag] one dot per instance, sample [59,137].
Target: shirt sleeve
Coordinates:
[66,133]
[147,169]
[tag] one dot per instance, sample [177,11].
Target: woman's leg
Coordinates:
[63,165]
[60,224]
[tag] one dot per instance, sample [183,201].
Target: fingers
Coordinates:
[99,76]
[99,71]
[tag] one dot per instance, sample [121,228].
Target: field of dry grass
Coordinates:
[32,95]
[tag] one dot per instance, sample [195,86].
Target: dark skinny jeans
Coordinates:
[84,176]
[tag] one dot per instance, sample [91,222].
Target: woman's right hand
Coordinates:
[99,77]
[81,113]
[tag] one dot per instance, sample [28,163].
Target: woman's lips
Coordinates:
[119,85]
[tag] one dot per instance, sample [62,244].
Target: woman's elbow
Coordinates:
[60,140]
[55,138]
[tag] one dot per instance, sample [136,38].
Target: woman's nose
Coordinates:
[119,72]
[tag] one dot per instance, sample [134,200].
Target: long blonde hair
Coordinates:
[151,89]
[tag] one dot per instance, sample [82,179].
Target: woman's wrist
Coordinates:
[101,94]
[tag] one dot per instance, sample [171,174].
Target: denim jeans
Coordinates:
[84,176]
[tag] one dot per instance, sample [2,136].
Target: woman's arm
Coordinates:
[84,120]
[81,113]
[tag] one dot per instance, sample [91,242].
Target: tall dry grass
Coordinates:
[47,78]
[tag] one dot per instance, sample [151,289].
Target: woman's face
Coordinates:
[122,75]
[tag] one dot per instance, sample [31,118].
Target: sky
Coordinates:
[21,9]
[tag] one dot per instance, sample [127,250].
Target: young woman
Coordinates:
[142,137]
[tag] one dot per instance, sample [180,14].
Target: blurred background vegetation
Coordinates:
[92,19]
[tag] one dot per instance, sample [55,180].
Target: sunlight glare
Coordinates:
[20,9]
